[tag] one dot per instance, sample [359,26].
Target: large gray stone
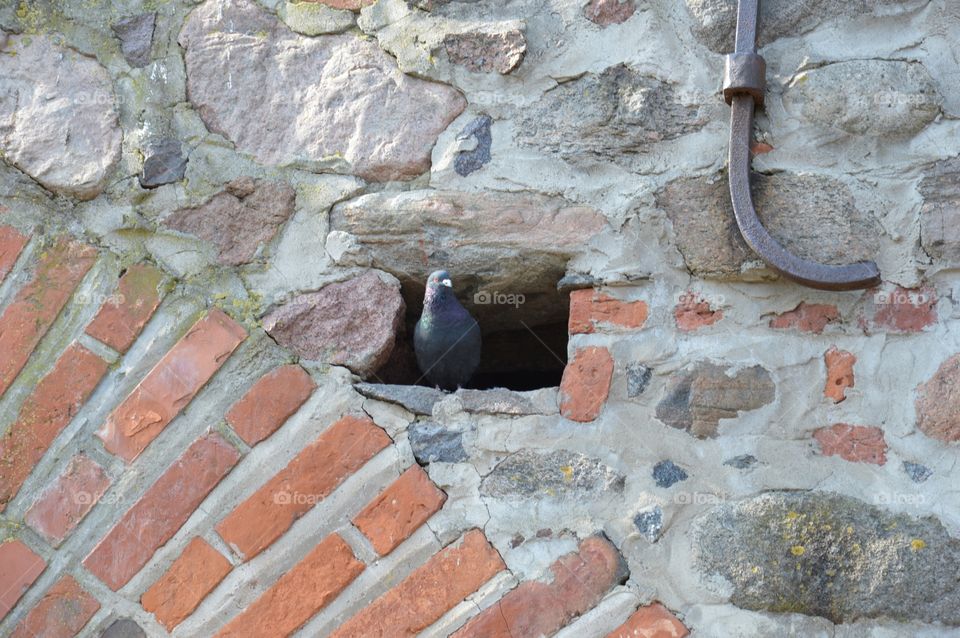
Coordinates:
[490,242]
[715,20]
[828,555]
[697,398]
[58,116]
[610,116]
[238,220]
[333,101]
[940,214]
[812,215]
[352,323]
[866,97]
[556,474]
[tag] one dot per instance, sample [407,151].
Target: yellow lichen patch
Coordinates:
[797,550]
[567,473]
[792,515]
[917,544]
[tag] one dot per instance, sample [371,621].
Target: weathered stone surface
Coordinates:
[610,116]
[649,523]
[136,37]
[607,12]
[416,398]
[508,402]
[638,378]
[339,100]
[940,214]
[698,397]
[486,52]
[315,18]
[432,442]
[239,219]
[492,242]
[163,163]
[353,323]
[467,162]
[123,628]
[742,462]
[854,443]
[350,5]
[866,97]
[811,215]
[828,555]
[666,473]
[58,116]
[938,402]
[918,473]
[556,474]
[421,399]
[716,20]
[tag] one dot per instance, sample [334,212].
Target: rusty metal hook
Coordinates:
[743,87]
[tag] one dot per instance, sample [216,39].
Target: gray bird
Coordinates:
[446,339]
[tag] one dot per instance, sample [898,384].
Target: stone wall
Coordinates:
[216,219]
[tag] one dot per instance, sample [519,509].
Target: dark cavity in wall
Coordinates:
[524,337]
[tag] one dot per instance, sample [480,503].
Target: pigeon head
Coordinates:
[439,288]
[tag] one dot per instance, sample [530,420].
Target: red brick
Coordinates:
[399,510]
[693,313]
[807,318]
[20,567]
[300,593]
[11,245]
[590,310]
[853,443]
[161,511]
[38,303]
[309,478]
[651,621]
[429,592]
[171,385]
[49,408]
[534,608]
[586,384]
[900,310]
[270,402]
[67,500]
[121,318]
[62,613]
[181,589]
[839,373]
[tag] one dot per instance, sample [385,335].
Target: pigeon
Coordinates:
[446,339]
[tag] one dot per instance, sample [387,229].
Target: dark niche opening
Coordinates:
[524,337]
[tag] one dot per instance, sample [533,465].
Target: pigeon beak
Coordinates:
[447,283]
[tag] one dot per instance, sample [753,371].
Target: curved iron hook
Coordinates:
[743,87]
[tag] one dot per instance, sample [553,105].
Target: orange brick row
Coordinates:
[309,478]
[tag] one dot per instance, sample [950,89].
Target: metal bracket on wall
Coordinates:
[743,88]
